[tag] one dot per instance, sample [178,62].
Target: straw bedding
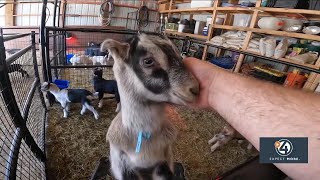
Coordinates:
[74,145]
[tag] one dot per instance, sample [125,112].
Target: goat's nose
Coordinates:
[195,90]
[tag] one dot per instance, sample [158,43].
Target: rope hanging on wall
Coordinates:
[106,9]
[142,17]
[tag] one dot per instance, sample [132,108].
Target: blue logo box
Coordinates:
[283,150]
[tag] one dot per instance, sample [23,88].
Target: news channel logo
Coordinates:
[284,150]
[283,147]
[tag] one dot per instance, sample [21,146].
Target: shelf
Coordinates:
[290,61]
[190,10]
[175,2]
[241,10]
[197,36]
[263,11]
[280,60]
[284,12]
[271,32]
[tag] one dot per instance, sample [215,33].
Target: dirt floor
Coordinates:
[74,145]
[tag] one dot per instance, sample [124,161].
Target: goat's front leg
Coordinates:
[117,96]
[165,170]
[64,106]
[83,110]
[68,107]
[118,107]
[100,95]
[214,139]
[91,108]
[119,168]
[215,146]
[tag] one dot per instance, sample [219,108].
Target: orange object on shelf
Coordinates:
[295,80]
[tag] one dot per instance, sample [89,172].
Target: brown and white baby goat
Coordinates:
[149,72]
[67,96]
[227,134]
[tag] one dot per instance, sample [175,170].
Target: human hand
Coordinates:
[205,73]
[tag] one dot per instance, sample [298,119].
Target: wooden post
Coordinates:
[170,8]
[318,63]
[63,10]
[9,12]
[315,83]
[309,82]
[210,30]
[248,37]
[228,20]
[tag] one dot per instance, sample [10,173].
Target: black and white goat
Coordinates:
[17,68]
[102,86]
[67,96]
[149,73]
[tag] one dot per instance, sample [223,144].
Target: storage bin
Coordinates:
[199,27]
[172,26]
[202,3]
[269,74]
[68,57]
[62,84]
[94,51]
[224,62]
[181,27]
[295,80]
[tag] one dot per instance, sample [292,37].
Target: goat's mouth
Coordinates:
[185,98]
[44,88]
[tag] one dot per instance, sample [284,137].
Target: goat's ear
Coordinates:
[116,49]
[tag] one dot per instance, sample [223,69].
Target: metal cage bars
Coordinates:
[20,118]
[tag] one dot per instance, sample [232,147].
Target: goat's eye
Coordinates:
[148,62]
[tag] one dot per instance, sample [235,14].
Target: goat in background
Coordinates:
[149,72]
[67,96]
[227,134]
[15,67]
[102,86]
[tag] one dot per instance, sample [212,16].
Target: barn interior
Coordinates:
[59,41]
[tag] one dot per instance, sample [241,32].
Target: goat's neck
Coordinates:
[138,115]
[55,92]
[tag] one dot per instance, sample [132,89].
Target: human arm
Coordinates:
[259,109]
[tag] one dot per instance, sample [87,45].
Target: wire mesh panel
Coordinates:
[21,73]
[35,121]
[29,167]
[7,131]
[22,143]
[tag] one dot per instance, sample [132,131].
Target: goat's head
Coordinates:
[98,72]
[152,68]
[228,130]
[47,86]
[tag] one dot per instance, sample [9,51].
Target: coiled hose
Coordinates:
[106,9]
[142,17]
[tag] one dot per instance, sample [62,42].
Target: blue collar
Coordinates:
[140,137]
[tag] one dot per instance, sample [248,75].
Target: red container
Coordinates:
[295,80]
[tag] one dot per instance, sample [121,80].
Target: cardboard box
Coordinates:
[166,6]
[172,26]
[163,7]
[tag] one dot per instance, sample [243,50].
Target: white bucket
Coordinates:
[181,27]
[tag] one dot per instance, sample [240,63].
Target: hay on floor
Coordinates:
[77,143]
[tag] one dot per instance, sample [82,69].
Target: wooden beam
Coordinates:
[63,10]
[210,30]
[254,19]
[170,8]
[9,11]
[315,83]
